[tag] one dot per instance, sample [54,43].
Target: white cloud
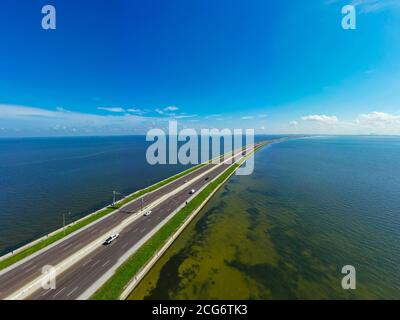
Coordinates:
[61,109]
[135,110]
[321,118]
[185,116]
[112,109]
[378,118]
[30,121]
[171,108]
[247,117]
[37,121]
[376,122]
[369,6]
[375,5]
[168,111]
[215,116]
[10,111]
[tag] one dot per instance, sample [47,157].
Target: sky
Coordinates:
[121,67]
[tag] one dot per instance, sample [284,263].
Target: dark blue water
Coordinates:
[43,178]
[40,179]
[311,207]
[343,196]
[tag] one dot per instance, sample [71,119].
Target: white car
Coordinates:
[111,238]
[192,191]
[148,213]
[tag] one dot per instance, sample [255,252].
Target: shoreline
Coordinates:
[36,246]
[127,274]
[86,220]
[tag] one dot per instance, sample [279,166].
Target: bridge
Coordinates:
[82,263]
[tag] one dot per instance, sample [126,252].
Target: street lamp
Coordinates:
[69,213]
[115,193]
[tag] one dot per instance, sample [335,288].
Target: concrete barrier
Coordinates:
[147,267]
[32,243]
[27,258]
[35,284]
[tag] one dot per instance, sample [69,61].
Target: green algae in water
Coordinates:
[265,237]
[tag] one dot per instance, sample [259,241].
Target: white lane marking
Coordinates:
[124,245]
[135,229]
[27,265]
[143,230]
[59,292]
[44,293]
[86,262]
[76,288]
[93,231]
[94,264]
[107,262]
[30,269]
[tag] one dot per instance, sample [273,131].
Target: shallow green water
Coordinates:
[311,207]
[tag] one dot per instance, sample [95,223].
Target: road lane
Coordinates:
[15,278]
[84,274]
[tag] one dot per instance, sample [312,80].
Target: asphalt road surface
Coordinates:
[79,277]
[17,277]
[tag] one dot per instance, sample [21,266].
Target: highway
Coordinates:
[82,275]
[71,284]
[13,279]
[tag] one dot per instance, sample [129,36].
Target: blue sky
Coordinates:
[124,66]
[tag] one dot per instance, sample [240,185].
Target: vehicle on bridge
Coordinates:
[111,238]
[147,213]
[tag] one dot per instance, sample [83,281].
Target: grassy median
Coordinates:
[114,287]
[86,221]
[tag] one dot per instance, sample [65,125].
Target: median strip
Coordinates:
[29,249]
[115,286]
[34,285]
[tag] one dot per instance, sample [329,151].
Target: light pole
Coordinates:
[69,213]
[115,193]
[142,199]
